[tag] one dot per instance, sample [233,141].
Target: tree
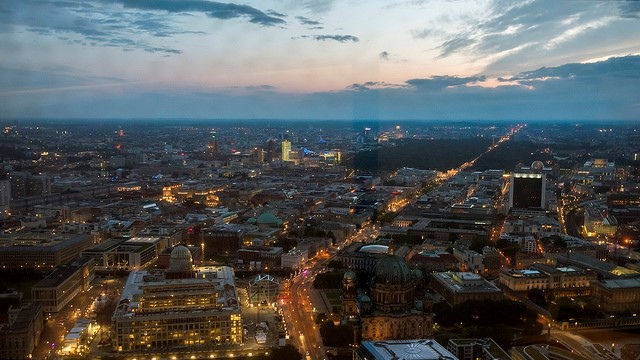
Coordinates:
[332,335]
[478,243]
[537,297]
[287,352]
[560,242]
[321,317]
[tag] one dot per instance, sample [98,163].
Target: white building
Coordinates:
[294,259]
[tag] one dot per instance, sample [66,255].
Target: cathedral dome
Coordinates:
[180,259]
[392,270]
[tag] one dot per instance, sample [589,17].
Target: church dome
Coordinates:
[392,270]
[180,259]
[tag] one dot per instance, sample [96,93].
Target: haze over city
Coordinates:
[381,60]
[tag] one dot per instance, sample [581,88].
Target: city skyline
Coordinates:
[422,60]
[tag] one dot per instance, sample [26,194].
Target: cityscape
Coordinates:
[320,180]
[189,241]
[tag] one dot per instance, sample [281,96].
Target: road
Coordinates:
[300,314]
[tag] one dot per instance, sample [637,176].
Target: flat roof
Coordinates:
[480,285]
[61,273]
[423,349]
[621,283]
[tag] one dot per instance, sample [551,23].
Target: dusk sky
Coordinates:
[320,59]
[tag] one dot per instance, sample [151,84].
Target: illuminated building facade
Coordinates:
[178,308]
[286,149]
[41,251]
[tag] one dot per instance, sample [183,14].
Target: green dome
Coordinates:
[267,219]
[349,275]
[417,274]
[392,270]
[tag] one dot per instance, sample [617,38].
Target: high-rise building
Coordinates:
[527,191]
[181,307]
[271,150]
[212,146]
[5,195]
[286,149]
[259,154]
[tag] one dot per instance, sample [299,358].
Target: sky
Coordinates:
[321,59]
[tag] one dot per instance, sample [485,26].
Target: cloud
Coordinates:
[605,91]
[89,25]
[217,10]
[630,9]
[306,21]
[316,6]
[127,24]
[384,55]
[519,35]
[50,79]
[373,85]
[339,38]
[275,13]
[260,88]
[615,69]
[442,82]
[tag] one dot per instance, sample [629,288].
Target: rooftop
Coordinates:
[424,349]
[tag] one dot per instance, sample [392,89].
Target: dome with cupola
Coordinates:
[180,259]
[392,270]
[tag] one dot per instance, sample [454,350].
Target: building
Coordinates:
[63,284]
[181,307]
[617,295]
[5,195]
[361,257]
[421,349]
[259,257]
[271,150]
[472,349]
[527,190]
[562,281]
[126,254]
[458,287]
[598,222]
[21,335]
[469,260]
[434,260]
[395,307]
[286,150]
[294,259]
[41,251]
[221,240]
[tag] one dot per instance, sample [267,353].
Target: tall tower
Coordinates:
[212,146]
[5,195]
[286,149]
[350,311]
[271,150]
